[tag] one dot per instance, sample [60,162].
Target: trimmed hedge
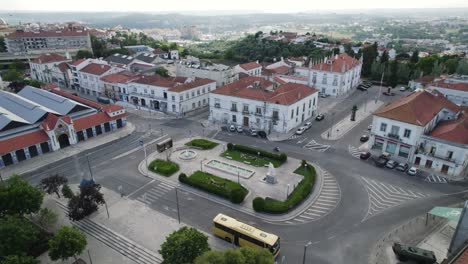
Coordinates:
[236,151]
[302,191]
[282,157]
[202,143]
[215,185]
[163,167]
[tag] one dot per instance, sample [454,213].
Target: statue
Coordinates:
[270,177]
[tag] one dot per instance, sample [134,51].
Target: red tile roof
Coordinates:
[78,62]
[453,130]
[187,86]
[157,80]
[425,79]
[51,120]
[343,62]
[243,75]
[63,66]
[280,69]
[279,80]
[120,77]
[417,108]
[293,77]
[96,69]
[94,120]
[48,58]
[78,99]
[22,141]
[250,66]
[452,86]
[111,108]
[49,86]
[45,34]
[159,51]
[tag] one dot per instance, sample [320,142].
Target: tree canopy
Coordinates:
[183,246]
[162,72]
[86,202]
[18,197]
[52,184]
[18,236]
[67,242]
[15,259]
[236,256]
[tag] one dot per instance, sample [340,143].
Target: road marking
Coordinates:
[138,148]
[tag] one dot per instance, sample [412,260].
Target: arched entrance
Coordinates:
[63,141]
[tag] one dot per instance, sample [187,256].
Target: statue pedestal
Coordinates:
[270,179]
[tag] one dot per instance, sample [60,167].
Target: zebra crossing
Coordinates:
[158,191]
[383,196]
[313,145]
[436,179]
[294,136]
[327,200]
[355,152]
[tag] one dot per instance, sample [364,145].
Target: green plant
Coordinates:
[202,143]
[67,192]
[258,204]
[184,246]
[237,196]
[67,242]
[163,167]
[230,146]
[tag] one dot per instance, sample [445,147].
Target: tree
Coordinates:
[403,73]
[67,192]
[426,64]
[86,202]
[2,45]
[17,236]
[437,69]
[384,58]
[183,246]
[236,256]
[18,197]
[52,184]
[451,65]
[162,72]
[67,242]
[393,78]
[353,113]
[46,218]
[84,54]
[98,46]
[15,259]
[462,67]
[13,76]
[414,57]
[370,54]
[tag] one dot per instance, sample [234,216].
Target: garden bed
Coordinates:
[215,185]
[202,144]
[163,167]
[253,156]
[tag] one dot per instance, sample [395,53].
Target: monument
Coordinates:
[270,177]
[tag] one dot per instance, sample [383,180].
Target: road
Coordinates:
[372,200]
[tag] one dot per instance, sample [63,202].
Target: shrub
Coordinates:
[280,157]
[163,167]
[67,192]
[183,177]
[259,204]
[283,157]
[202,143]
[237,196]
[230,146]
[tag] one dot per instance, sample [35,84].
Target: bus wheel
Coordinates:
[228,239]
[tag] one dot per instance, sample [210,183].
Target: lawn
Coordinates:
[216,185]
[254,160]
[202,143]
[163,167]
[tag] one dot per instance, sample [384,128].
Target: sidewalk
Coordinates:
[145,112]
[48,158]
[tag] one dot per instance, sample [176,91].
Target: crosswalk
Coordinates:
[294,136]
[327,200]
[436,179]
[355,152]
[157,191]
[383,196]
[313,145]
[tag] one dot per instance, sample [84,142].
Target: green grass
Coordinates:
[302,191]
[254,160]
[202,143]
[216,185]
[163,167]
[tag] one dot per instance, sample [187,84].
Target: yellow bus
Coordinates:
[244,235]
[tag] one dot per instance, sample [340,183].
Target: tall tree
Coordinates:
[393,79]
[384,58]
[370,54]
[17,235]
[2,45]
[67,242]
[18,197]
[414,57]
[437,69]
[83,54]
[451,65]
[462,67]
[427,63]
[183,246]
[162,72]
[52,184]
[46,218]
[403,73]
[15,259]
[86,202]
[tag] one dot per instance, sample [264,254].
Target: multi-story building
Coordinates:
[453,89]
[90,75]
[115,86]
[250,68]
[44,67]
[255,103]
[38,42]
[220,73]
[333,76]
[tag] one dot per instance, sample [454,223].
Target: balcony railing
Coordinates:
[430,154]
[246,112]
[233,109]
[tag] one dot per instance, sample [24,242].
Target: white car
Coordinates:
[308,125]
[232,128]
[402,89]
[300,130]
[369,127]
[412,171]
[239,129]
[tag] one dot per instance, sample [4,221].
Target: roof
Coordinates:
[157,80]
[63,66]
[22,141]
[187,86]
[78,62]
[340,63]
[293,77]
[243,75]
[45,34]
[51,120]
[159,51]
[147,57]
[120,77]
[250,65]
[120,59]
[452,86]
[417,108]
[78,99]
[96,69]
[453,130]
[112,108]
[14,108]
[48,58]
[462,258]
[425,79]
[94,120]
[49,86]
[257,88]
[280,69]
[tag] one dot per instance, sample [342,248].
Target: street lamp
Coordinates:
[305,249]
[287,191]
[238,178]
[258,159]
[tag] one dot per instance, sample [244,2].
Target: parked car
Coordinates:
[253,132]
[239,129]
[308,125]
[389,93]
[364,155]
[362,88]
[413,254]
[300,130]
[369,127]
[364,138]
[391,164]
[320,117]
[402,167]
[262,134]
[232,128]
[323,95]
[412,171]
[380,161]
[403,88]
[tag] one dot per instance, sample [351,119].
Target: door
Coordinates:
[80,136]
[7,159]
[33,151]
[444,169]
[107,127]
[63,141]
[417,161]
[45,147]
[98,130]
[20,155]
[236,240]
[246,121]
[119,123]
[302,118]
[89,132]
[428,164]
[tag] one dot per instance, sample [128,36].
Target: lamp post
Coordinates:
[201,165]
[287,191]
[258,159]
[238,177]
[305,250]
[89,167]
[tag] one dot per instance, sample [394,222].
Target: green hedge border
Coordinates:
[302,191]
[202,143]
[280,158]
[164,167]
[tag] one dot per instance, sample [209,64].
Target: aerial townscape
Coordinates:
[215,132]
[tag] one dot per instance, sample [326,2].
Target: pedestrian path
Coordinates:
[313,145]
[436,179]
[383,196]
[327,200]
[119,243]
[355,152]
[157,192]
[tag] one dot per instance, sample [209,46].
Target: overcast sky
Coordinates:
[187,5]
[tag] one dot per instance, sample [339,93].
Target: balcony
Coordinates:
[245,112]
[422,151]
[394,136]
[233,109]
[258,114]
[217,105]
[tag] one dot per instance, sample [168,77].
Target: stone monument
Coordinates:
[270,177]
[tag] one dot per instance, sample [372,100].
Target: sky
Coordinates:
[275,6]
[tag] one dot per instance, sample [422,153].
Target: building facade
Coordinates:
[90,75]
[251,68]
[45,67]
[222,74]
[456,92]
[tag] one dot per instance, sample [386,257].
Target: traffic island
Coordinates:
[163,167]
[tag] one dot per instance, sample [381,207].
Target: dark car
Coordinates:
[364,138]
[362,88]
[418,255]
[320,117]
[382,160]
[364,155]
[391,164]
[402,167]
[262,134]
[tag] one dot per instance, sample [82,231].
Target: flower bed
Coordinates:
[163,167]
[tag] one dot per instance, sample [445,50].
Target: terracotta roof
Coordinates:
[51,120]
[94,120]
[63,66]
[452,86]
[338,64]
[96,69]
[157,80]
[48,58]
[243,75]
[45,34]
[187,86]
[293,77]
[280,69]
[255,88]
[453,130]
[49,86]
[295,59]
[159,51]
[112,108]
[120,77]
[77,62]
[78,99]
[425,79]
[417,108]
[462,258]
[279,80]
[250,66]
[22,141]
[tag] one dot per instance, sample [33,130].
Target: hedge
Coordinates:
[215,185]
[282,157]
[202,143]
[300,193]
[163,167]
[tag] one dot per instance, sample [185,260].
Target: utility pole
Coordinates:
[305,250]
[89,167]
[380,88]
[177,202]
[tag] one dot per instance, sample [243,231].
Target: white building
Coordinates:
[250,68]
[456,92]
[115,85]
[391,52]
[335,76]
[90,75]
[220,73]
[174,54]
[42,67]
[254,102]
[421,83]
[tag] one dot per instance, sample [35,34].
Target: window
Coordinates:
[245,109]
[407,133]
[187,96]
[395,130]
[310,103]
[234,107]
[303,107]
[204,101]
[193,105]
[324,80]
[198,92]
[203,91]
[181,97]
[146,91]
[193,93]
[173,98]
[314,78]
[383,127]
[403,152]
[234,118]
[292,113]
[314,102]
[449,154]
[335,80]
[276,115]
[258,110]
[297,110]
